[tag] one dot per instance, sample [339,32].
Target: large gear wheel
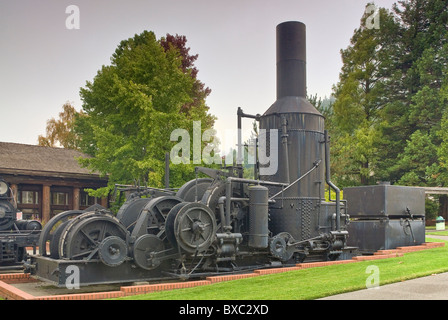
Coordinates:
[169,226]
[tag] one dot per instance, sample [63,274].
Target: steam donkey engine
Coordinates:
[220,224]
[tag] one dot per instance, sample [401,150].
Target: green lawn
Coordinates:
[314,283]
[439,233]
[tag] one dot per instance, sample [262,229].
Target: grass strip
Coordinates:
[314,283]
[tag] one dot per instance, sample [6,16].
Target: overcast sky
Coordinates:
[44,64]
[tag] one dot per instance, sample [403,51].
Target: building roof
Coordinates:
[32,159]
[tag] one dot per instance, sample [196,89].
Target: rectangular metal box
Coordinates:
[385,200]
[383,234]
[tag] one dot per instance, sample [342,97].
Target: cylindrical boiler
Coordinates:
[300,136]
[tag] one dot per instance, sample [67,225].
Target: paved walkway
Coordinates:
[433,287]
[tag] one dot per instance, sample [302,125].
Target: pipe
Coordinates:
[256,164]
[240,143]
[316,164]
[331,184]
[224,225]
[241,115]
[285,146]
[167,170]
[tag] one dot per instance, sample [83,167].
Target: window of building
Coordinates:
[28,197]
[28,201]
[59,198]
[86,200]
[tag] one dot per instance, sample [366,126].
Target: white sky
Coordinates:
[43,64]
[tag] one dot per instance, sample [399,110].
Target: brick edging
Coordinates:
[10,292]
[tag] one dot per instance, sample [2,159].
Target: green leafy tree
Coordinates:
[391,97]
[59,133]
[359,99]
[390,114]
[416,70]
[134,104]
[418,153]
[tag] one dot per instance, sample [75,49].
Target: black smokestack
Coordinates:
[291,59]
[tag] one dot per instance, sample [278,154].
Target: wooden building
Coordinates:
[46,181]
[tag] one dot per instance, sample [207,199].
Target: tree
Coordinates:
[359,99]
[416,71]
[199,91]
[134,104]
[60,132]
[418,153]
[391,98]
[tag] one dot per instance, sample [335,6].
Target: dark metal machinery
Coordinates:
[15,235]
[220,224]
[385,216]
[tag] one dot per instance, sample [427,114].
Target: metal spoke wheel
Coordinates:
[81,240]
[194,227]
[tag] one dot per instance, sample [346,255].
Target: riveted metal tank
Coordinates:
[300,137]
